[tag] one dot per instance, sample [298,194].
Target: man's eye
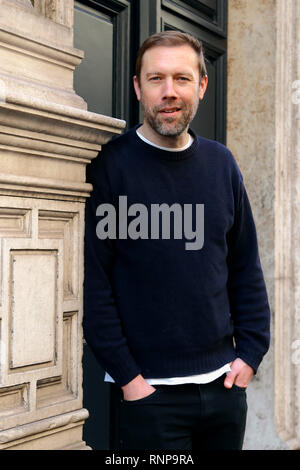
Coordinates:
[155,79]
[182,79]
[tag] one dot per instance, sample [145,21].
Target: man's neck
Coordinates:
[162,140]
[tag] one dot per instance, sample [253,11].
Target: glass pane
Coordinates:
[93,78]
[204,121]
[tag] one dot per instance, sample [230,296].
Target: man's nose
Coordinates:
[169,90]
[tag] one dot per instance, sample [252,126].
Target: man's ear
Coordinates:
[137,88]
[203,87]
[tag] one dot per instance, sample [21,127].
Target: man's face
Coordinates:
[170,88]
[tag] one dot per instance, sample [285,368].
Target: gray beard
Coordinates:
[164,126]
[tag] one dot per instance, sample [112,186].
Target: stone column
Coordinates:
[251,101]
[46,139]
[263,132]
[287,223]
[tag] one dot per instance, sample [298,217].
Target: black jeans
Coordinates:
[187,417]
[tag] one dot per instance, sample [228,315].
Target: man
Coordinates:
[180,327]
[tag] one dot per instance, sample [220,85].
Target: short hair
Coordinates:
[171,39]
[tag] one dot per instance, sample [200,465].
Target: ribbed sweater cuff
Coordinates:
[123,369]
[253,360]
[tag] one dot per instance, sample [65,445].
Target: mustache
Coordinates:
[169,104]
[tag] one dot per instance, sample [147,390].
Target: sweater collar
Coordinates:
[165,154]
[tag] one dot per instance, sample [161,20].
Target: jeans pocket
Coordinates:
[143,400]
[238,388]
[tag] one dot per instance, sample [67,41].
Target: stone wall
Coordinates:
[262,65]
[47,137]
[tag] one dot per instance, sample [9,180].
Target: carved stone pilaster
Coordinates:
[47,137]
[60,11]
[37,54]
[287,223]
[44,149]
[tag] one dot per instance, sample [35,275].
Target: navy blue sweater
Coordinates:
[151,306]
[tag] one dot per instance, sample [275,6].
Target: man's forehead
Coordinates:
[158,54]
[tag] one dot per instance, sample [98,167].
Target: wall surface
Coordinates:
[251,138]
[47,138]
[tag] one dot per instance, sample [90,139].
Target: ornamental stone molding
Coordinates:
[60,11]
[47,137]
[37,54]
[287,223]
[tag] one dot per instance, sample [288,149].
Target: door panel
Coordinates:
[102,30]
[204,123]
[96,399]
[93,78]
[210,14]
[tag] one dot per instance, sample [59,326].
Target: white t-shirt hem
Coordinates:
[196,379]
